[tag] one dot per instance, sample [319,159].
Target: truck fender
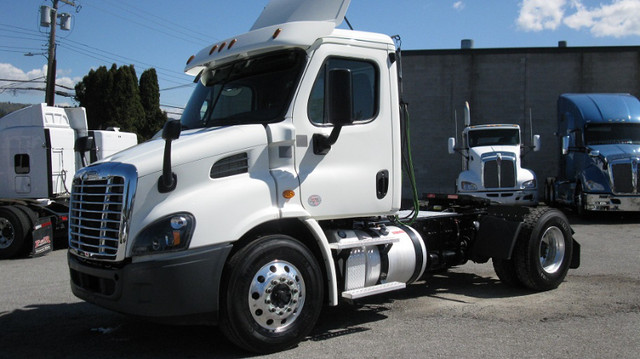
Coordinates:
[496,238]
[323,245]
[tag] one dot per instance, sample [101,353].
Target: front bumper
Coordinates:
[521,197]
[182,289]
[608,202]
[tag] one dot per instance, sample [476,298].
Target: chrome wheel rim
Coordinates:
[552,250]
[276,295]
[7,233]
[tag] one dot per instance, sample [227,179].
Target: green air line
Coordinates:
[409,168]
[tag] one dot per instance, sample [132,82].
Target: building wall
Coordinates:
[502,86]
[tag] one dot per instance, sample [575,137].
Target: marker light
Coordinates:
[277,32]
[233,42]
[191,59]
[213,49]
[222,46]
[288,194]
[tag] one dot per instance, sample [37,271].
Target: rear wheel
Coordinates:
[543,251]
[14,230]
[272,296]
[506,271]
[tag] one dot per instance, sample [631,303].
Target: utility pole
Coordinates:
[51,67]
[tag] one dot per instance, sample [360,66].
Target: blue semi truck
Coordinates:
[600,153]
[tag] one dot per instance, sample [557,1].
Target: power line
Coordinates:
[200,43]
[180,28]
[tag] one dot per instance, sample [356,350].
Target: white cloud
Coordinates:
[538,15]
[617,18]
[458,5]
[34,77]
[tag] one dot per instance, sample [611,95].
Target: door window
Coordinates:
[364,77]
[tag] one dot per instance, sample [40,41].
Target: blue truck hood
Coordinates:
[617,151]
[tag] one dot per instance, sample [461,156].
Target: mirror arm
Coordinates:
[322,144]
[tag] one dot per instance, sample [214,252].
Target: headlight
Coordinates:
[593,186]
[171,233]
[529,184]
[468,186]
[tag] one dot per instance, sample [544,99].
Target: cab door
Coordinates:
[354,178]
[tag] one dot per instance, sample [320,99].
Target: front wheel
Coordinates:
[272,296]
[14,232]
[543,251]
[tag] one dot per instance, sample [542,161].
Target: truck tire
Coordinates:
[272,294]
[506,271]
[543,250]
[14,230]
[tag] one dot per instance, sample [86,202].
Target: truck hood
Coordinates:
[192,145]
[617,151]
[478,151]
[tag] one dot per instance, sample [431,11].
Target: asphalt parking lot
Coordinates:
[464,313]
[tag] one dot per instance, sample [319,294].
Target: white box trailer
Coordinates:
[37,164]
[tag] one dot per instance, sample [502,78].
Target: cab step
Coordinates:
[373,290]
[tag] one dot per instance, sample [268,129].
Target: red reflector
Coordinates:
[452,196]
[431,195]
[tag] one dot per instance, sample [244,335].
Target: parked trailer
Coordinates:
[37,165]
[279,192]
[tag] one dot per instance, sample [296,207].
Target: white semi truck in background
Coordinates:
[37,164]
[492,163]
[279,192]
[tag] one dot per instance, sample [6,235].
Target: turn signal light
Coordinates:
[288,194]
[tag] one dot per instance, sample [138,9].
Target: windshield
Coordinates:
[249,91]
[505,137]
[601,134]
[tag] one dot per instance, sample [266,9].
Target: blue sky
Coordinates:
[163,34]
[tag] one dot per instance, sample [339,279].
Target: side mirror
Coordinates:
[82,145]
[594,153]
[339,95]
[171,130]
[565,145]
[536,143]
[452,145]
[339,105]
[168,179]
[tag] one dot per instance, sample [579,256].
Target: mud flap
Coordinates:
[42,237]
[575,256]
[496,238]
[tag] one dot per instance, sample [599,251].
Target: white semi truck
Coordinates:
[492,163]
[279,192]
[37,164]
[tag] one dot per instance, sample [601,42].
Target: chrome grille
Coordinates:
[625,177]
[98,213]
[499,172]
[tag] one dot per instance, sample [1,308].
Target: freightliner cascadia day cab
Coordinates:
[492,163]
[599,168]
[279,192]
[37,163]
